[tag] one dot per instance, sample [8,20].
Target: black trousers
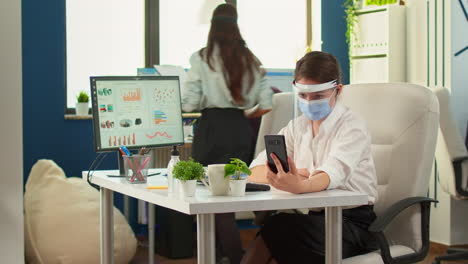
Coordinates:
[298,238]
[223,134]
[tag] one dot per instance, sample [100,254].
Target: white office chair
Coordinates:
[452,162]
[275,120]
[403,122]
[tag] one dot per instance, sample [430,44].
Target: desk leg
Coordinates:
[206,238]
[107,226]
[142,212]
[333,238]
[126,207]
[151,232]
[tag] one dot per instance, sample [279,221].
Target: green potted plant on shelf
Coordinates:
[382,2]
[188,172]
[237,171]
[351,10]
[82,104]
[351,7]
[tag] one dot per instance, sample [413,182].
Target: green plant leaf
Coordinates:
[235,161]
[188,170]
[82,97]
[246,170]
[351,19]
[229,169]
[236,167]
[239,163]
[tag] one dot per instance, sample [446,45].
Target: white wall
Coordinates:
[11,158]
[459,76]
[416,36]
[440,227]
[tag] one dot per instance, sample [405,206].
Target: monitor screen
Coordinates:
[143,111]
[280,78]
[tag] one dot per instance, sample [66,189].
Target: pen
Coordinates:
[125,149]
[156,187]
[121,151]
[121,176]
[143,151]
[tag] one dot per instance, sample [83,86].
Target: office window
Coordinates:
[276,31]
[184,27]
[105,37]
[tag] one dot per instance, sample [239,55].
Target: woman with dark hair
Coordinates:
[225,79]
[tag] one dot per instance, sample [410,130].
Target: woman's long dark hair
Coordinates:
[237,60]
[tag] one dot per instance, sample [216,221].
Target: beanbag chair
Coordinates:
[62,220]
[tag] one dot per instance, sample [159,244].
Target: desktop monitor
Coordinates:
[280,78]
[137,111]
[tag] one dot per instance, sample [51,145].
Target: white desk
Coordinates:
[205,206]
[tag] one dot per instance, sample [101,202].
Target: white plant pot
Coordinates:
[188,187]
[82,109]
[237,187]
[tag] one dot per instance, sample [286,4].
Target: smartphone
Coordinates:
[277,145]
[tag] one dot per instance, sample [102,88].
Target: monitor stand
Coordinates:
[121,164]
[126,205]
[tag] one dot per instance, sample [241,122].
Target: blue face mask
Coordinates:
[315,109]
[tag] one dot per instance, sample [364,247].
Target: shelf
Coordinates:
[191,115]
[378,46]
[75,117]
[90,117]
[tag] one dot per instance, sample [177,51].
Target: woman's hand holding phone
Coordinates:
[286,181]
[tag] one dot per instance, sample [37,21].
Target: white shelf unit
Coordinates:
[378,46]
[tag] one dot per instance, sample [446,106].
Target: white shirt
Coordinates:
[205,88]
[342,149]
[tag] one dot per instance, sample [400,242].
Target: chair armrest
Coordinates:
[382,221]
[457,169]
[460,159]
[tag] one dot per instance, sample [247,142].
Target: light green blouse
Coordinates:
[205,88]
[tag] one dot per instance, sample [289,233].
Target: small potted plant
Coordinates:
[188,172]
[237,171]
[82,105]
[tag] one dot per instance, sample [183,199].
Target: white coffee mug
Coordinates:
[217,184]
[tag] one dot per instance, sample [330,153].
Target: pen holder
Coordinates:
[136,168]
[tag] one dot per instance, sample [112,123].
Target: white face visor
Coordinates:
[299,88]
[311,88]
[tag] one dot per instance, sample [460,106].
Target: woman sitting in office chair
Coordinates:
[225,78]
[329,147]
